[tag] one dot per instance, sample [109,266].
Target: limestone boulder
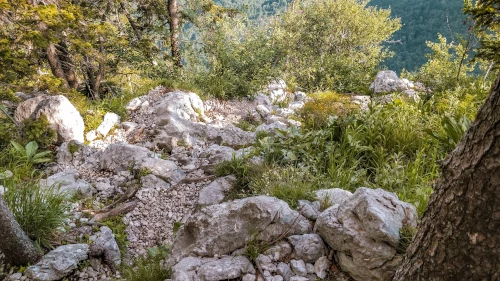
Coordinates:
[364,232]
[122,156]
[58,263]
[215,192]
[386,81]
[223,228]
[61,115]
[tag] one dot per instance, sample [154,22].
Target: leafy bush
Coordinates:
[289,184]
[316,112]
[245,174]
[29,153]
[40,212]
[322,48]
[38,130]
[148,268]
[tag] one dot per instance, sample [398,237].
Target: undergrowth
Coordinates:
[148,268]
[40,211]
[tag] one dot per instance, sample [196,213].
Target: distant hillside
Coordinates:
[422,20]
[256,8]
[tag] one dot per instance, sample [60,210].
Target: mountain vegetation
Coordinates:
[102,55]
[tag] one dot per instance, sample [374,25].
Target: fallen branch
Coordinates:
[122,209]
[187,181]
[125,196]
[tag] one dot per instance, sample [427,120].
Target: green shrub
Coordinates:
[148,268]
[38,130]
[288,184]
[40,212]
[245,173]
[323,105]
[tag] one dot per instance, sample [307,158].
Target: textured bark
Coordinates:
[174,32]
[14,243]
[459,235]
[55,63]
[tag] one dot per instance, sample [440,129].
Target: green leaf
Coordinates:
[31,149]
[18,147]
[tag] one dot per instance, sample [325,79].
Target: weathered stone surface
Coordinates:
[217,154]
[67,183]
[298,267]
[386,81]
[280,251]
[266,263]
[61,115]
[164,169]
[58,263]
[121,156]
[110,120]
[26,108]
[185,270]
[134,104]
[224,228]
[225,268]
[185,105]
[333,196]
[321,267]
[308,209]
[364,231]
[307,247]
[105,245]
[285,271]
[212,269]
[214,192]
[271,127]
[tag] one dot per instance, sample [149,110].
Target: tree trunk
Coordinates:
[55,63]
[14,244]
[174,32]
[459,235]
[61,65]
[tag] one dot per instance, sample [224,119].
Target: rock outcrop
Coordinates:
[364,232]
[221,229]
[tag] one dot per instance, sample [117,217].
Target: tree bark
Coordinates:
[174,32]
[55,63]
[459,235]
[14,243]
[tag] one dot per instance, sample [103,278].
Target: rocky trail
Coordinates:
[156,170]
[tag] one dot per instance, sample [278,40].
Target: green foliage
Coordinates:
[316,112]
[447,66]
[239,57]
[384,147]
[406,234]
[244,173]
[38,130]
[486,15]
[148,268]
[29,153]
[40,212]
[452,131]
[289,184]
[323,49]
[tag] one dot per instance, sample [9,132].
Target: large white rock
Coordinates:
[364,232]
[386,81]
[185,105]
[110,120]
[61,115]
[332,196]
[58,263]
[224,228]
